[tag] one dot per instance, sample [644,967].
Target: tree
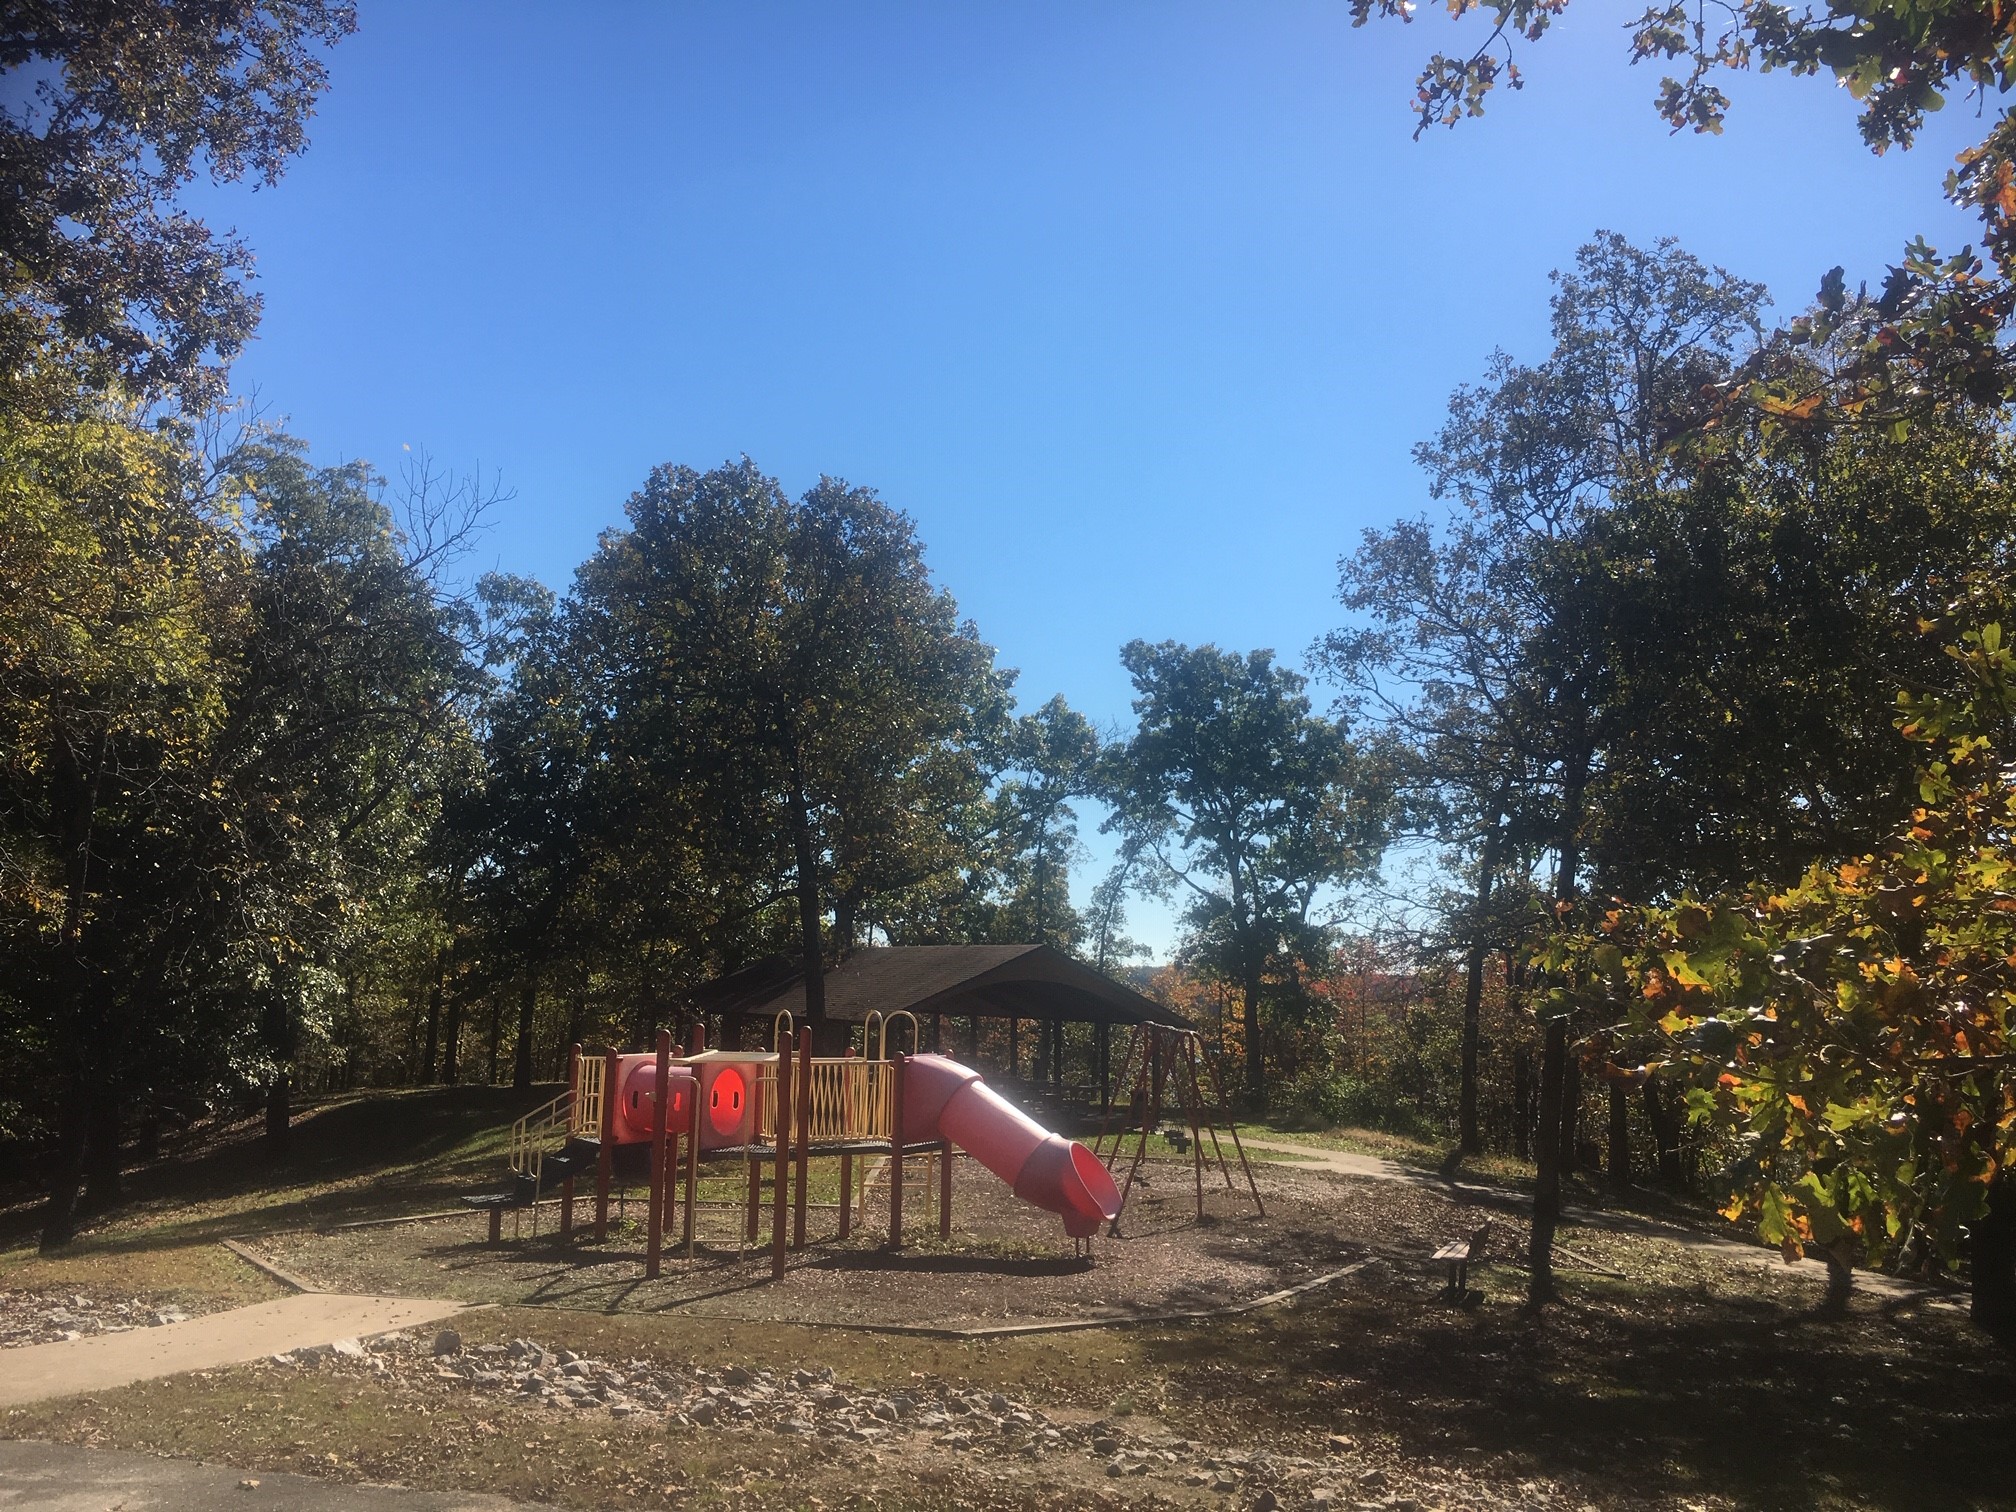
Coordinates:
[786,679]
[1934,331]
[1850,1036]
[534,826]
[1503,627]
[1052,758]
[1247,800]
[347,715]
[1897,57]
[130,102]
[122,604]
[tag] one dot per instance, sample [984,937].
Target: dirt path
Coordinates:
[36,1372]
[1344,1162]
[1482,1194]
[67,1478]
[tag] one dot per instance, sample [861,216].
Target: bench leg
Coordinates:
[496,1227]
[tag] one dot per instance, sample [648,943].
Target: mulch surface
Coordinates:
[1005,1263]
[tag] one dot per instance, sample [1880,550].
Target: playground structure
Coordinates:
[778,1109]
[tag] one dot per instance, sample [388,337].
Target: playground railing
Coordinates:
[850,1100]
[766,1105]
[533,1135]
[586,1122]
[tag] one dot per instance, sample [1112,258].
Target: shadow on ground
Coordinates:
[1745,1398]
[348,1159]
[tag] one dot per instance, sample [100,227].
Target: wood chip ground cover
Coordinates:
[1006,1261]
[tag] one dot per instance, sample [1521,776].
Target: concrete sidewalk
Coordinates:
[36,1372]
[66,1478]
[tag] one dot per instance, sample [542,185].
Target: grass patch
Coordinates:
[363,1157]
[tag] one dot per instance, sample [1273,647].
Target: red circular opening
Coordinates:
[724,1101]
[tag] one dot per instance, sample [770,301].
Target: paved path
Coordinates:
[103,1361]
[66,1478]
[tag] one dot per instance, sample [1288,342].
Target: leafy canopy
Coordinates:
[130,100]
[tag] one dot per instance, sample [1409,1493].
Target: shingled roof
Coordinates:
[991,981]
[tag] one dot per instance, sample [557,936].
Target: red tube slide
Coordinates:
[945,1100]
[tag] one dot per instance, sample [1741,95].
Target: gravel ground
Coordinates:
[961,1431]
[46,1317]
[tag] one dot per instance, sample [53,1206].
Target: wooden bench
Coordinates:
[494,1203]
[1459,1255]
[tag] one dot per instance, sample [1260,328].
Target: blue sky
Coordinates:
[1136,309]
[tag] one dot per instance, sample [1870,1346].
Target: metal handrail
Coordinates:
[587,1122]
[530,1135]
[916,1033]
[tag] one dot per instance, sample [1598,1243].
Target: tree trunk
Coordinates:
[1665,1137]
[1991,1244]
[1468,1140]
[280,1038]
[1547,1162]
[1571,1117]
[1522,1102]
[66,1173]
[1620,1137]
[577,1012]
[430,1058]
[147,1148]
[1256,1060]
[101,1151]
[496,1034]
[75,796]
[451,1041]
[528,1003]
[279,1112]
[1840,1283]
[811,952]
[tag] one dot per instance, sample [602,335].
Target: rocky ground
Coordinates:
[889,1434]
[38,1317]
